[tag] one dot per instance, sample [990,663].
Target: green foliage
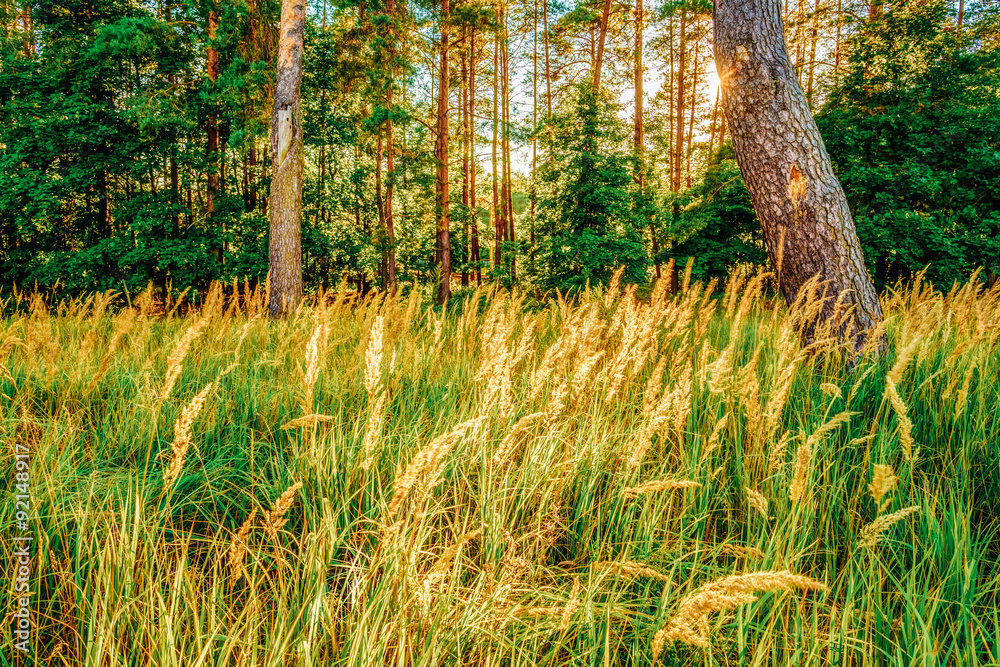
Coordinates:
[587,221]
[716,224]
[911,129]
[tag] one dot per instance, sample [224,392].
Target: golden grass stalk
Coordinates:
[653,386]
[238,549]
[312,365]
[510,441]
[713,440]
[123,324]
[572,604]
[872,534]
[757,501]
[373,357]
[307,421]
[660,485]
[905,425]
[427,459]
[741,551]
[373,429]
[883,482]
[182,436]
[803,459]
[176,358]
[438,572]
[274,518]
[831,390]
[612,292]
[690,622]
[827,428]
[630,568]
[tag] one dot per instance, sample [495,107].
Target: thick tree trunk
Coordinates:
[806,221]
[444,95]
[288,161]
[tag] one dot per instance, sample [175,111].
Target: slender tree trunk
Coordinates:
[693,104]
[464,103]
[288,160]
[715,118]
[836,43]
[472,152]
[507,171]
[390,178]
[390,152]
[806,221]
[679,139]
[639,133]
[534,124]
[212,138]
[548,76]
[498,225]
[813,38]
[600,45]
[444,96]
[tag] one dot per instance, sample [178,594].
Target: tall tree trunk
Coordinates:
[472,153]
[444,96]
[679,139]
[507,171]
[288,161]
[806,221]
[212,134]
[600,45]
[464,104]
[693,104]
[836,43]
[639,133]
[548,76]
[390,180]
[498,225]
[534,123]
[813,38]
[711,132]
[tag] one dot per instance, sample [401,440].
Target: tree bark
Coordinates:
[472,153]
[498,225]
[600,45]
[444,96]
[639,133]
[805,217]
[288,162]
[679,139]
[464,105]
[212,134]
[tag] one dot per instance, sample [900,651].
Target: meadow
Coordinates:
[676,479]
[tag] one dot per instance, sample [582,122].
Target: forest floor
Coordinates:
[602,481]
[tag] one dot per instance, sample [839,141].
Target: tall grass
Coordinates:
[607,480]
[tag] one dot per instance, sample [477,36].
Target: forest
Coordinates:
[568,140]
[504,334]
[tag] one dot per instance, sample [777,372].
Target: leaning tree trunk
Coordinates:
[288,159]
[807,224]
